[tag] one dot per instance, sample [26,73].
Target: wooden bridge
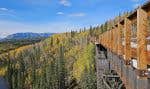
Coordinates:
[126,47]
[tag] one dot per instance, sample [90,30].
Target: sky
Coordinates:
[59,15]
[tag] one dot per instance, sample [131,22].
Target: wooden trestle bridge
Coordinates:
[125,50]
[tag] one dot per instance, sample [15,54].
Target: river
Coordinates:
[3,83]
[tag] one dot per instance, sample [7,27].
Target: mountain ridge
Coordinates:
[26,35]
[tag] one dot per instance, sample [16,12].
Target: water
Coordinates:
[3,83]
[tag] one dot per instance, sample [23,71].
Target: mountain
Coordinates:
[28,35]
[3,35]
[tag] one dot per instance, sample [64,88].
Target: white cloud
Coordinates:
[13,27]
[135,0]
[77,15]
[81,14]
[60,13]
[7,12]
[3,9]
[65,3]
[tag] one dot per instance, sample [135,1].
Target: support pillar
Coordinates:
[142,24]
[120,39]
[127,40]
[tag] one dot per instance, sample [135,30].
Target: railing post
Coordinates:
[116,39]
[127,47]
[107,39]
[113,39]
[110,39]
[127,40]
[111,33]
[141,38]
[119,39]
[104,39]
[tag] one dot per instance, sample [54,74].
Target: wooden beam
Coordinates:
[127,39]
[110,39]
[107,39]
[111,46]
[142,24]
[116,39]
[113,40]
[120,29]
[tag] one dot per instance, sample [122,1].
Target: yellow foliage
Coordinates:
[84,61]
[3,71]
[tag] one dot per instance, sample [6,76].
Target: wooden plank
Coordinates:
[127,39]
[100,38]
[107,39]
[120,28]
[116,39]
[111,46]
[141,38]
[113,40]
[110,39]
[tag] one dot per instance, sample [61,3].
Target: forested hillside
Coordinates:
[7,45]
[63,61]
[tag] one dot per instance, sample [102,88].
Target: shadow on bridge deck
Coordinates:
[108,61]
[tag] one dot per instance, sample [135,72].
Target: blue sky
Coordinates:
[58,15]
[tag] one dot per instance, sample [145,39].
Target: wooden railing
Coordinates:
[130,38]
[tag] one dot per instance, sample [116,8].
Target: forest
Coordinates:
[7,45]
[63,61]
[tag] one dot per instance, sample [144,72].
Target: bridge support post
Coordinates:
[141,38]
[119,39]
[142,24]
[109,39]
[116,39]
[127,49]
[127,39]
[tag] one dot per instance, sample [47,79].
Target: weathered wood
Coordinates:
[111,41]
[127,39]
[120,39]
[107,38]
[116,39]
[141,38]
